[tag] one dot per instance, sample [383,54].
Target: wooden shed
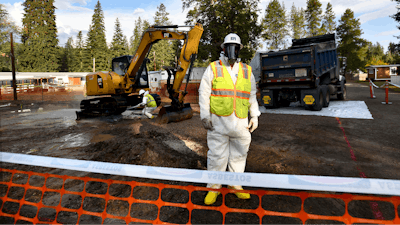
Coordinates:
[382,72]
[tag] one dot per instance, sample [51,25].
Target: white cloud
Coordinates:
[388,33]
[16,12]
[390,10]
[138,11]
[70,23]
[359,6]
[68,5]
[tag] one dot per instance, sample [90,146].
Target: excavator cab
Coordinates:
[121,64]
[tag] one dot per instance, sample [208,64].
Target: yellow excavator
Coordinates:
[129,74]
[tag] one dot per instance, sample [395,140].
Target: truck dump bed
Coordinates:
[307,57]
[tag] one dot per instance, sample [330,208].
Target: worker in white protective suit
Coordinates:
[148,102]
[226,95]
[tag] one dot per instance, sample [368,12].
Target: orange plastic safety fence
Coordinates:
[48,198]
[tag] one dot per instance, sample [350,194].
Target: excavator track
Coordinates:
[104,106]
[107,106]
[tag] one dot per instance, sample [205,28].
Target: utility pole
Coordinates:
[154,58]
[13,67]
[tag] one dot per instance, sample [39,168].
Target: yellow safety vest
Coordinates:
[227,97]
[152,102]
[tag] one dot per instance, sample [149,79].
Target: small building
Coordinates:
[382,72]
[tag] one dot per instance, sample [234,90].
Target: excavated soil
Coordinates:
[283,144]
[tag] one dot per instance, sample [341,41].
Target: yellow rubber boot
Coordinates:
[211,197]
[240,194]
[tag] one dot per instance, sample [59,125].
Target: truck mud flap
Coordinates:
[312,98]
[269,98]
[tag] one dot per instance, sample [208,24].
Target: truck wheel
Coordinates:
[319,102]
[343,95]
[327,95]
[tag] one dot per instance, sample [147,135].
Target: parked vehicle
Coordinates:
[307,72]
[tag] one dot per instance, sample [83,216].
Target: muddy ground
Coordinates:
[283,144]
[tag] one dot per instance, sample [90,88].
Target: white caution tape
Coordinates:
[394,84]
[281,181]
[375,86]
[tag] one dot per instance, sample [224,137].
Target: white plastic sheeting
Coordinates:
[341,109]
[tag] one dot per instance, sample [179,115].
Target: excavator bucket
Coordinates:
[169,114]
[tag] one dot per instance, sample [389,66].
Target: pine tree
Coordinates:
[68,59]
[78,54]
[219,18]
[136,36]
[328,23]
[393,53]
[162,52]
[39,37]
[392,48]
[118,45]
[297,22]
[7,26]
[313,17]
[140,27]
[176,49]
[350,42]
[96,44]
[274,25]
[396,16]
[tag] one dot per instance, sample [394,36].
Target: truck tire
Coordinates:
[319,102]
[343,95]
[326,94]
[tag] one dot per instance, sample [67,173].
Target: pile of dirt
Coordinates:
[148,145]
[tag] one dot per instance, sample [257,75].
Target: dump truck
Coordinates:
[308,72]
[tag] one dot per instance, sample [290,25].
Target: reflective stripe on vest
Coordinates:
[227,97]
[152,102]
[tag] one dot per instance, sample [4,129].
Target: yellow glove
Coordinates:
[253,124]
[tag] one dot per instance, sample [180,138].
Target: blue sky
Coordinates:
[75,15]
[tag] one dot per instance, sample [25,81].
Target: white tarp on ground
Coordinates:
[341,109]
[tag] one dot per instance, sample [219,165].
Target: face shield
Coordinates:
[232,51]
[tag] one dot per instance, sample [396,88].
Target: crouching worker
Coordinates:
[226,95]
[148,102]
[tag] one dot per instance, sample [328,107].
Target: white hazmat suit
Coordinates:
[147,110]
[230,138]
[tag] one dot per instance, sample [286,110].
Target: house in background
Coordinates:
[382,72]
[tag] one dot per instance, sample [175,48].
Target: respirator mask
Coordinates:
[232,52]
